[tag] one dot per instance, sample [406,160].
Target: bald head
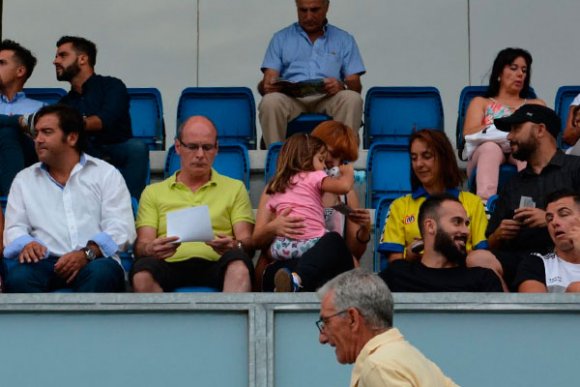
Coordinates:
[198,125]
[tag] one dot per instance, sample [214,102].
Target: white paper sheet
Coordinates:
[190,224]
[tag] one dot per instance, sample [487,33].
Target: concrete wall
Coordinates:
[260,340]
[173,44]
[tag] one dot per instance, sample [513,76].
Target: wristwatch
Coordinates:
[89,254]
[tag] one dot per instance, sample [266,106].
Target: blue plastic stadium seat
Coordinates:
[305,123]
[388,172]
[379,261]
[49,95]
[564,98]
[506,172]
[147,122]
[231,109]
[392,114]
[232,160]
[272,161]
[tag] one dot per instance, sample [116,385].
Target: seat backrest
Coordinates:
[271,161]
[231,109]
[232,160]
[379,261]
[388,172]
[49,95]
[305,123]
[562,102]
[146,110]
[467,94]
[392,114]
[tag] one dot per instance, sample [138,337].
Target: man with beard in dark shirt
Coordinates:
[518,224]
[444,228]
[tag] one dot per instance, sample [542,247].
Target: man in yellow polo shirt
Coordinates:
[162,264]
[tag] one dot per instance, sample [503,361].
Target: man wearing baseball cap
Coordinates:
[518,225]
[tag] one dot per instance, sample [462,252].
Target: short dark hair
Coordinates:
[70,120]
[442,149]
[22,55]
[563,193]
[430,207]
[504,58]
[81,45]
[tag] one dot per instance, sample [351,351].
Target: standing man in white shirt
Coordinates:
[68,215]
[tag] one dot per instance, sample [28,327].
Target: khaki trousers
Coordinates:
[277,109]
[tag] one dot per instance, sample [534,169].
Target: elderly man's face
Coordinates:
[336,331]
[311,14]
[197,137]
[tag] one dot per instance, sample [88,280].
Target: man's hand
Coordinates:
[162,248]
[333,86]
[508,229]
[574,234]
[267,84]
[269,87]
[32,253]
[222,243]
[530,217]
[68,266]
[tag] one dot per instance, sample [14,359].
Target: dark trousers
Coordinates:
[325,260]
[16,152]
[131,157]
[103,275]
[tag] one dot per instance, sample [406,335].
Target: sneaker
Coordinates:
[284,281]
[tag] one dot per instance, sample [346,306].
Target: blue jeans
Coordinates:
[16,152]
[130,157]
[102,275]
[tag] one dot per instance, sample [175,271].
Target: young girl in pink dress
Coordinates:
[299,183]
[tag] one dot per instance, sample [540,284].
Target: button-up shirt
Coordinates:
[563,171]
[389,360]
[334,54]
[19,105]
[93,205]
[108,99]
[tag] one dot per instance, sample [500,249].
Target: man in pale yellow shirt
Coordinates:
[356,318]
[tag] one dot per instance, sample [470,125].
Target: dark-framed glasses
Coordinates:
[195,147]
[321,323]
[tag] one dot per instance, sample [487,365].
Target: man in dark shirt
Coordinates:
[104,103]
[444,228]
[518,223]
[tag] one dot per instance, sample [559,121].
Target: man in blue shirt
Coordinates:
[104,103]
[16,146]
[306,50]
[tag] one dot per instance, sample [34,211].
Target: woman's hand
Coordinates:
[287,226]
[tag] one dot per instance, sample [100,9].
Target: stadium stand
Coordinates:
[388,172]
[237,126]
[146,110]
[391,114]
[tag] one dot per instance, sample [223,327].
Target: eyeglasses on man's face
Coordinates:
[195,147]
[321,323]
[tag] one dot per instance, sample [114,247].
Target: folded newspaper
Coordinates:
[302,88]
